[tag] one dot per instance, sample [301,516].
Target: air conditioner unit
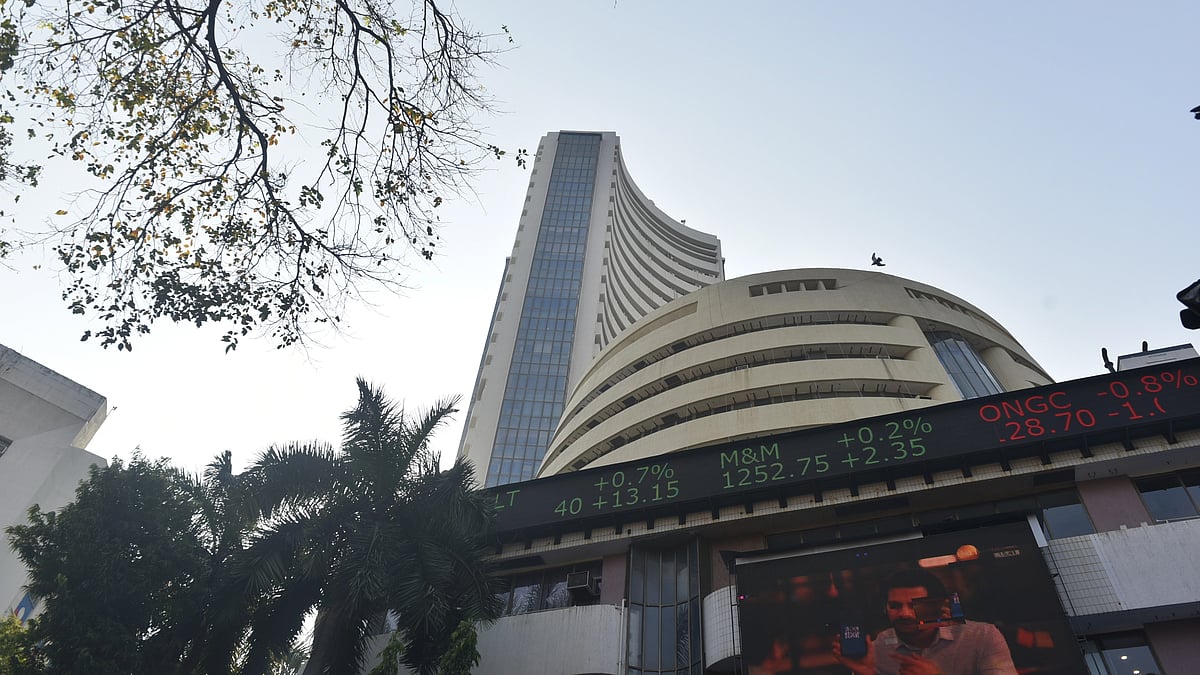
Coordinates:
[582,585]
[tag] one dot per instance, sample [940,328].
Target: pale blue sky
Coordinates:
[1035,159]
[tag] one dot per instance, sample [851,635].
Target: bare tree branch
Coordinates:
[209,206]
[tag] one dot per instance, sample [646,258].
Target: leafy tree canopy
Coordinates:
[17,651]
[376,529]
[115,571]
[150,570]
[139,575]
[251,163]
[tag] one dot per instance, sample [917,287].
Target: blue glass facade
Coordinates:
[970,374]
[537,379]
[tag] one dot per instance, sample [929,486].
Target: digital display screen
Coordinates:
[975,601]
[1004,426]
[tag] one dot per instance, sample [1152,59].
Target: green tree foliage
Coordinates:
[115,571]
[17,650]
[290,662]
[253,162]
[219,626]
[460,656]
[463,652]
[153,571]
[375,528]
[139,574]
[389,656]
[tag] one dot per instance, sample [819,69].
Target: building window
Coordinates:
[537,377]
[4,443]
[970,374]
[1063,515]
[664,611]
[548,589]
[1120,654]
[1173,496]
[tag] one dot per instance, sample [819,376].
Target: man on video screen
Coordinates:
[926,637]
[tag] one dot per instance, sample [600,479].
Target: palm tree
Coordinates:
[226,515]
[373,528]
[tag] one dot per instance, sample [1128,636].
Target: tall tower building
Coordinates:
[592,255]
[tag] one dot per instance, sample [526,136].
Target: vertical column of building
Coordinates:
[558,290]
[537,377]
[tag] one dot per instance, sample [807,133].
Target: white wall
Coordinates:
[555,642]
[625,392]
[721,643]
[49,420]
[1129,568]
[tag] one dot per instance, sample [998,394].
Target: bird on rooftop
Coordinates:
[876,260]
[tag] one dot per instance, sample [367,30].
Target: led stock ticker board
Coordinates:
[1070,414]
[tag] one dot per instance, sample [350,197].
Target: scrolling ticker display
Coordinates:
[1118,406]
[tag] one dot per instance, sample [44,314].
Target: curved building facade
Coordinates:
[650,259]
[777,352]
[710,496]
[592,256]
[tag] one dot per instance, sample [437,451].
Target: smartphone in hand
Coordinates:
[854,641]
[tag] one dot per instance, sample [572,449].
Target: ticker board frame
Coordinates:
[523,511]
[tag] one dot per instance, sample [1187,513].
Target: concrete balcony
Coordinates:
[569,641]
[1139,572]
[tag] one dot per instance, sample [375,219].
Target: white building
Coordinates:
[849,418]
[731,472]
[592,255]
[777,352]
[46,421]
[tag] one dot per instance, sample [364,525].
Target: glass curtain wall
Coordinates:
[664,611]
[537,379]
[970,374]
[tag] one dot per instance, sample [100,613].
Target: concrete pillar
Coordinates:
[925,356]
[1176,645]
[612,575]
[720,573]
[1010,374]
[1113,503]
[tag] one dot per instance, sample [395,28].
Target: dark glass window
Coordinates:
[556,594]
[1173,496]
[968,371]
[1120,654]
[664,616]
[1063,515]
[526,594]
[4,443]
[635,638]
[537,378]
[545,589]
